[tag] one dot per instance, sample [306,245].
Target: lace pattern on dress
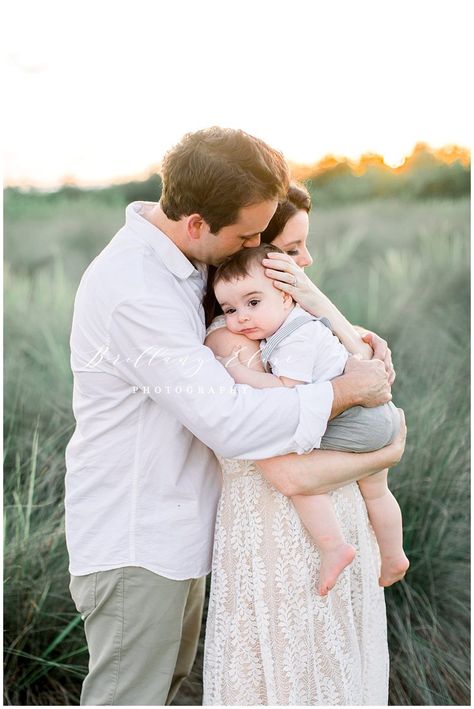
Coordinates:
[270,638]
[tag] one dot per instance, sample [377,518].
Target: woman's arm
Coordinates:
[313,300]
[258,379]
[292,279]
[321,306]
[322,470]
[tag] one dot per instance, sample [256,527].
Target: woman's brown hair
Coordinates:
[297,199]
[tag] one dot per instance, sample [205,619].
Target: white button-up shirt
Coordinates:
[151,403]
[311,353]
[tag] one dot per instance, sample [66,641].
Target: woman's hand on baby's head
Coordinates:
[290,278]
[281,268]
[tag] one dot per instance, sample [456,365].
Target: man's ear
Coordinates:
[194,226]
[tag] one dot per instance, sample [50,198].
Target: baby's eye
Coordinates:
[254,302]
[229,311]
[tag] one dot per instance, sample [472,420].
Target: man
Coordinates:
[151,402]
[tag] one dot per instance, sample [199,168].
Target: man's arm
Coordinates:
[362,384]
[357,387]
[153,345]
[322,471]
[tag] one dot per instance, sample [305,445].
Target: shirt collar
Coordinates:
[174,259]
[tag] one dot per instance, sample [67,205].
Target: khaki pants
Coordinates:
[142,632]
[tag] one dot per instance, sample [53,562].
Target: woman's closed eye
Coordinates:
[292,252]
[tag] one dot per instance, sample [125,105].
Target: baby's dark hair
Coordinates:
[239,264]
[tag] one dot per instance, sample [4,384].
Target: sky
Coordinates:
[97,90]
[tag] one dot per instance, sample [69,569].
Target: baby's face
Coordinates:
[252,305]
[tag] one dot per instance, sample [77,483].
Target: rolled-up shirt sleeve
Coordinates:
[154,346]
[315,409]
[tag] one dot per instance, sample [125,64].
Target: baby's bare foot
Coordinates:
[333,562]
[393,569]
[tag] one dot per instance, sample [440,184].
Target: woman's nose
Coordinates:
[305,259]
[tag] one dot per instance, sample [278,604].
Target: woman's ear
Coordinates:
[194,226]
[287,300]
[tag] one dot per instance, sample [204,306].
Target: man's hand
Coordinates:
[371,380]
[364,383]
[382,352]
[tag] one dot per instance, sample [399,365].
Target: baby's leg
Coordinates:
[318,516]
[386,519]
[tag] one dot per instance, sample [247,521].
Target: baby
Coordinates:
[300,349]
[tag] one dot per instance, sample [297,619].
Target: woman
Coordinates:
[270,638]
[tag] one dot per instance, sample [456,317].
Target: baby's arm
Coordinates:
[240,370]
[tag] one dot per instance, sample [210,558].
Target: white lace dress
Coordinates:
[270,639]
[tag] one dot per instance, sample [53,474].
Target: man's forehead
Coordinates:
[255,217]
[250,227]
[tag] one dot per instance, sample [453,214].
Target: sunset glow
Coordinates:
[103,89]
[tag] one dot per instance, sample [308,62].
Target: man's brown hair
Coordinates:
[239,264]
[216,171]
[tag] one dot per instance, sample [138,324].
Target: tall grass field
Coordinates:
[398,267]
